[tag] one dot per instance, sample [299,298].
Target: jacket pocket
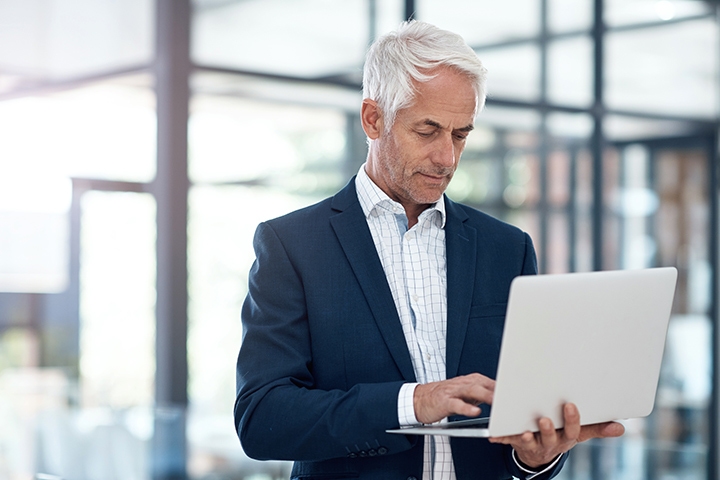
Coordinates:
[491,310]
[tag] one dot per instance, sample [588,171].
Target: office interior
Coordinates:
[142,141]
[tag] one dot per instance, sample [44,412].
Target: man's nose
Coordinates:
[445,151]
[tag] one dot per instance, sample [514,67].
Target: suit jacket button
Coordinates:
[411,478]
[363,453]
[372,452]
[382,450]
[352,455]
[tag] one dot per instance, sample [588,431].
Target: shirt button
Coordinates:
[428,357]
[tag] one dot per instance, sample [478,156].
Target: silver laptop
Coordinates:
[595,339]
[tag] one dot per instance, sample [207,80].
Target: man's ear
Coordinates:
[371,119]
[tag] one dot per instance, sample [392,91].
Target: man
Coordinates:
[383,306]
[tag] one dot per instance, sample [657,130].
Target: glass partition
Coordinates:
[61,39]
[308,38]
[639,62]
[659,209]
[629,12]
[483,22]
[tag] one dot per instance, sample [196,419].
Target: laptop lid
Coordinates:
[595,339]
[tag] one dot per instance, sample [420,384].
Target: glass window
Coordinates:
[558,171]
[389,14]
[570,15]
[671,69]
[117,299]
[509,120]
[625,128]
[105,131]
[34,231]
[581,257]
[513,72]
[308,38]
[476,181]
[60,39]
[570,71]
[240,140]
[558,246]
[483,22]
[570,125]
[635,201]
[626,12]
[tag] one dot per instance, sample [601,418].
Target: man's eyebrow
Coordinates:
[433,123]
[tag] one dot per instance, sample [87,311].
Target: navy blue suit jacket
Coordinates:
[323,353]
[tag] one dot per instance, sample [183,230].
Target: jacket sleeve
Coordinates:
[280,413]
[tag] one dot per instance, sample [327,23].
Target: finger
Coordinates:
[457,396]
[479,394]
[474,392]
[461,407]
[523,438]
[601,430]
[572,428]
[548,435]
[613,429]
[526,441]
[482,380]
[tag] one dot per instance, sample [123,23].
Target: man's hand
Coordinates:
[540,448]
[456,396]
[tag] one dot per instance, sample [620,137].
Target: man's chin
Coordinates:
[428,198]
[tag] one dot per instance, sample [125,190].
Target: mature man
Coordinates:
[383,306]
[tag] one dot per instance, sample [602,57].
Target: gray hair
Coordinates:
[399,57]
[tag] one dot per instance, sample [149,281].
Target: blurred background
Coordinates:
[141,141]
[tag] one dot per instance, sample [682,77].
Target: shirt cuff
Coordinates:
[406,407]
[533,473]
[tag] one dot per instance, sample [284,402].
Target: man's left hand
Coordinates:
[540,448]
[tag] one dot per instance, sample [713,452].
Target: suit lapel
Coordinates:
[461,250]
[356,240]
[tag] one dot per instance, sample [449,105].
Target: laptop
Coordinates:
[594,339]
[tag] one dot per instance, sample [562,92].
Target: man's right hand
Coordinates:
[456,396]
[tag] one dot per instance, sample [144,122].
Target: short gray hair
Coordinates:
[406,54]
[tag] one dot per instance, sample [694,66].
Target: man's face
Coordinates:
[415,161]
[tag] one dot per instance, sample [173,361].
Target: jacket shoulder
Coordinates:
[486,223]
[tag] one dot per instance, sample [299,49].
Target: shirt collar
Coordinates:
[372,198]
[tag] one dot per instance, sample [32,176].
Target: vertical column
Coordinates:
[543,205]
[172,71]
[410,12]
[596,142]
[571,210]
[713,462]
[596,150]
